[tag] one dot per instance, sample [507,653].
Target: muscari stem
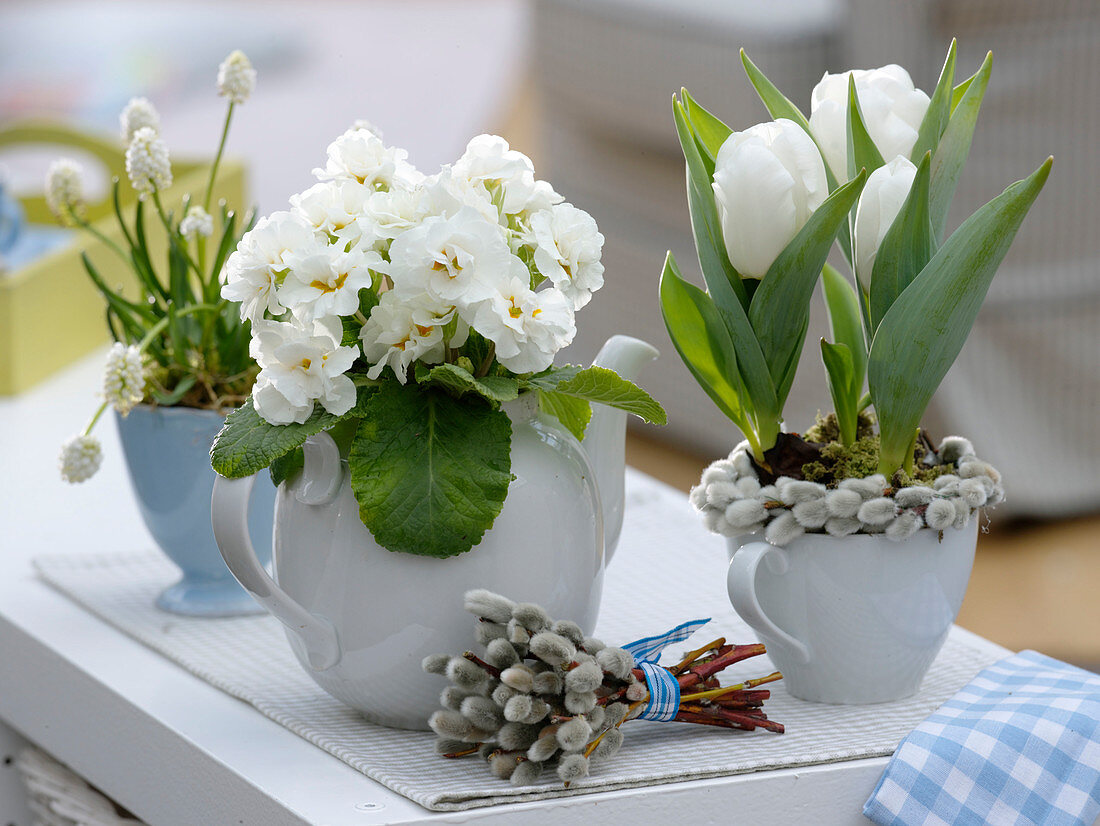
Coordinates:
[217,158]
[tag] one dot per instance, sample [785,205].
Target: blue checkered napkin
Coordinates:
[1019,745]
[664,690]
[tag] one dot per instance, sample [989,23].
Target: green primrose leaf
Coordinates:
[247,444]
[430,472]
[598,384]
[459,381]
[287,466]
[922,333]
[573,413]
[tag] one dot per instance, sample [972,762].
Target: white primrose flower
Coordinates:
[391,213]
[446,194]
[879,204]
[124,377]
[259,264]
[236,77]
[65,188]
[300,366]
[459,260]
[527,327]
[403,329]
[360,155]
[326,281]
[490,161]
[138,114]
[335,208]
[892,110]
[80,458]
[768,180]
[197,222]
[147,162]
[567,251]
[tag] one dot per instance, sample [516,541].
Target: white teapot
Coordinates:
[360,618]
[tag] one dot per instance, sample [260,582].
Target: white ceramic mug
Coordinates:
[856,619]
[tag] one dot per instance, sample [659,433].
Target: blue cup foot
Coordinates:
[211,598]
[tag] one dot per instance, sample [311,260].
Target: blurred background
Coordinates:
[584,88]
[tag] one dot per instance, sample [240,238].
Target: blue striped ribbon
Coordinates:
[664,691]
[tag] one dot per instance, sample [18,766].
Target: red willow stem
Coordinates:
[476,660]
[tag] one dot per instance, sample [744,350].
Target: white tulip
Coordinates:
[892,112]
[879,204]
[768,180]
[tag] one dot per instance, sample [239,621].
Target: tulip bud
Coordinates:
[879,204]
[892,111]
[768,180]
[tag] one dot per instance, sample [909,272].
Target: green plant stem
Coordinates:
[172,239]
[83,224]
[160,326]
[487,362]
[217,159]
[95,418]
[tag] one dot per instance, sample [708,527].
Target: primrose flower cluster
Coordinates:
[417,267]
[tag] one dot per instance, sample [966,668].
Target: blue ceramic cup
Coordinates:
[167,452]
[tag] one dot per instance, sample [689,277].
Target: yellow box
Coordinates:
[50,312]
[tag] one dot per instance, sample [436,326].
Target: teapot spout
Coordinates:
[605,438]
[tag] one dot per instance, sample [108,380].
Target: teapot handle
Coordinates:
[741,584]
[229,517]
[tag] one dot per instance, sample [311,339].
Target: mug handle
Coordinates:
[229,518]
[741,584]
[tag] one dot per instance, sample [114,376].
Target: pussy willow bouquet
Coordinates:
[400,311]
[547,696]
[176,342]
[873,168]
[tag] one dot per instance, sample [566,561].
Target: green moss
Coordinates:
[860,459]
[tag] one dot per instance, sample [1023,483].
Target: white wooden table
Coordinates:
[176,750]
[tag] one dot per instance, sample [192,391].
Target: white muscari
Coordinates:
[879,204]
[147,162]
[197,223]
[258,266]
[568,246]
[733,503]
[65,188]
[768,180]
[124,377]
[300,366]
[139,113]
[892,111]
[236,77]
[80,458]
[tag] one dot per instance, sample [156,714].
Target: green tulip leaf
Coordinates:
[954,146]
[781,305]
[723,281]
[709,131]
[923,332]
[776,102]
[704,345]
[939,109]
[908,245]
[841,375]
[862,152]
[430,472]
